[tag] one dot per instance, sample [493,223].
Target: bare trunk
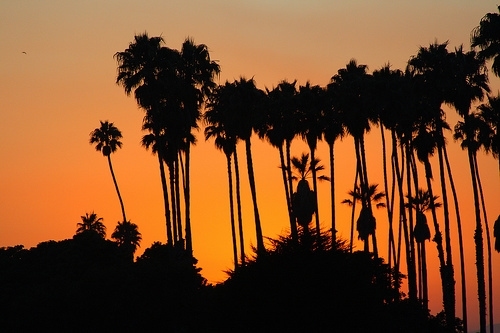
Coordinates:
[238,207]
[116,187]
[231,211]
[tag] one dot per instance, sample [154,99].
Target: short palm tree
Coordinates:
[107,139]
[91,224]
[128,237]
[366,223]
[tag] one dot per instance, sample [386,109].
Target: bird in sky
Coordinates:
[24,52]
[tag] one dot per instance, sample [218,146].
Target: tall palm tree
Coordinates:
[496,234]
[128,237]
[470,133]
[333,130]
[311,104]
[91,223]
[366,223]
[486,37]
[107,139]
[280,129]
[221,121]
[246,106]
[147,68]
[352,91]
[490,112]
[196,73]
[228,146]
[422,202]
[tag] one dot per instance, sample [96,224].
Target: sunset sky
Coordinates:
[53,95]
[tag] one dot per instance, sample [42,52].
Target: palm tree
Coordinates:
[486,37]
[352,91]
[197,73]
[147,68]
[245,103]
[366,223]
[496,234]
[422,202]
[107,139]
[128,237]
[490,113]
[228,146]
[91,224]
[304,203]
[221,124]
[471,132]
[311,103]
[333,129]
[280,129]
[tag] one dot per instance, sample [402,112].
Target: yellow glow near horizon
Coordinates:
[55,94]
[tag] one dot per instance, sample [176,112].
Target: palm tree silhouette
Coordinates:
[196,72]
[221,123]
[280,129]
[91,224]
[107,139]
[311,103]
[471,132]
[246,104]
[352,88]
[496,234]
[147,68]
[366,223]
[485,36]
[490,112]
[128,237]
[422,202]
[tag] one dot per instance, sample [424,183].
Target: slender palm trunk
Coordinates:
[449,273]
[353,211]
[315,190]
[238,207]
[332,191]
[478,240]
[187,201]
[171,172]
[488,244]
[288,145]
[460,241]
[116,187]
[425,288]
[387,196]
[251,179]
[165,201]
[178,201]
[438,239]
[293,225]
[231,211]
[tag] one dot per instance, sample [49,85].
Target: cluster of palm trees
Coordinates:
[174,87]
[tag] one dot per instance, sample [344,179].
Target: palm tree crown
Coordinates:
[91,223]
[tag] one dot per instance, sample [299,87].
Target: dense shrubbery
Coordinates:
[87,284]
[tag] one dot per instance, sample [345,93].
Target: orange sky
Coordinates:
[55,94]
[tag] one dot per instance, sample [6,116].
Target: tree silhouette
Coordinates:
[107,139]
[366,223]
[486,37]
[91,224]
[128,237]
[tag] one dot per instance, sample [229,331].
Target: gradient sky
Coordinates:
[53,96]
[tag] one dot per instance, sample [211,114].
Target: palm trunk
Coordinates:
[171,172]
[353,208]
[251,179]
[425,288]
[187,201]
[238,206]
[116,187]
[315,190]
[293,225]
[231,211]
[450,274]
[369,204]
[332,192]
[488,248]
[460,241]
[178,201]
[165,201]
[478,240]
[387,198]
